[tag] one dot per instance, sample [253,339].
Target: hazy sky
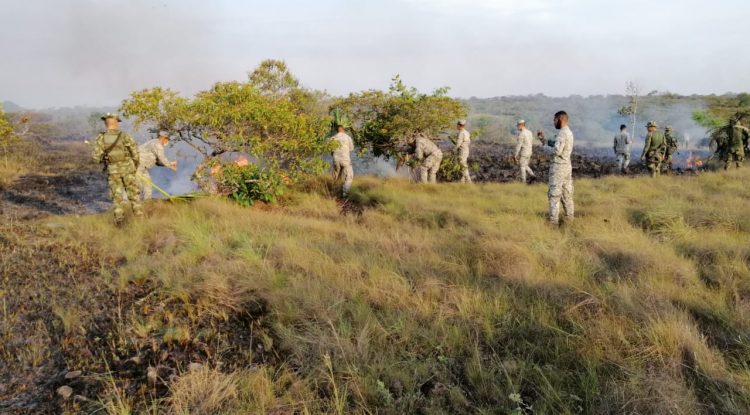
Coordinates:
[94,52]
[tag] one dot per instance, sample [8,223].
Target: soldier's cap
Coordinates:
[110,115]
[651,124]
[521,122]
[461,122]
[164,133]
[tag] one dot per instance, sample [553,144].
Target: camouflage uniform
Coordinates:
[151,154]
[670,142]
[462,146]
[561,176]
[653,151]
[523,152]
[735,147]
[622,150]
[431,156]
[123,161]
[342,162]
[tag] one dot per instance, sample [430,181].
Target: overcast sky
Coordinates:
[94,52]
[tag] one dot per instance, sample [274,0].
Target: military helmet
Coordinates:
[520,122]
[461,122]
[652,124]
[164,133]
[669,128]
[111,115]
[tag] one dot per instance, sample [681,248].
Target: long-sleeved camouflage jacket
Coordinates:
[125,152]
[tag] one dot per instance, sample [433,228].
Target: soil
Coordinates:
[65,182]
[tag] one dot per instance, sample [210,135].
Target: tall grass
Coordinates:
[461,299]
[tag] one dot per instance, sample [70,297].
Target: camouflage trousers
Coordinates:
[144,187]
[342,170]
[623,161]
[666,164]
[736,156]
[654,159]
[560,191]
[122,181]
[430,166]
[465,177]
[523,162]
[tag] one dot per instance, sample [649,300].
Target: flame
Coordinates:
[242,161]
[693,162]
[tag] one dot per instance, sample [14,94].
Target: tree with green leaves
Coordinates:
[382,122]
[270,117]
[720,115]
[7,135]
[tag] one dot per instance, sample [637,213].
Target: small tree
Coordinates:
[631,110]
[383,121]
[7,135]
[270,117]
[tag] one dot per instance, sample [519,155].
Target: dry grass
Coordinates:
[457,299]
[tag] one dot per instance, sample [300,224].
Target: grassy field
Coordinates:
[432,299]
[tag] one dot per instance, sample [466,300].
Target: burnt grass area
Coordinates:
[494,163]
[63,181]
[65,323]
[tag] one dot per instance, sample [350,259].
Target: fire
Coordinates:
[693,163]
[242,161]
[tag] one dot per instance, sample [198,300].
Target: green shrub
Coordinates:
[250,183]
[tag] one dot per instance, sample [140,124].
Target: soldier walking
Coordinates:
[561,170]
[342,161]
[117,151]
[462,147]
[735,148]
[670,142]
[524,149]
[622,149]
[654,149]
[152,154]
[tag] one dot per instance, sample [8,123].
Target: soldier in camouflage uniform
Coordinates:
[462,147]
[654,150]
[735,147]
[670,142]
[561,170]
[621,147]
[430,155]
[342,160]
[524,148]
[118,153]
[152,154]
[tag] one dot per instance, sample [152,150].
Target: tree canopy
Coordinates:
[383,121]
[270,117]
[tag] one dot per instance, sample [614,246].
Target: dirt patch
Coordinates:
[65,182]
[63,322]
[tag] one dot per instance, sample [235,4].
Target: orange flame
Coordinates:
[242,161]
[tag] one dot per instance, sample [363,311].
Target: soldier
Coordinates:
[654,149]
[622,149]
[430,155]
[735,148]
[670,142]
[561,170]
[462,147]
[118,153]
[342,161]
[523,150]
[152,154]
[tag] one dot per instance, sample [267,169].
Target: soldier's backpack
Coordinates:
[114,153]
